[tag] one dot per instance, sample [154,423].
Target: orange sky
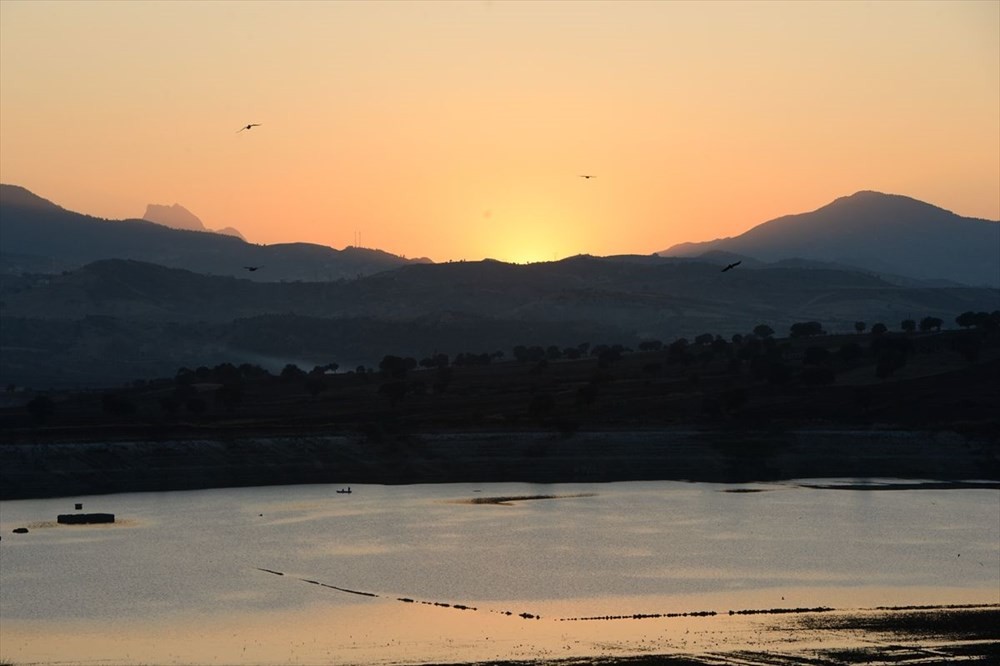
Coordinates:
[458,130]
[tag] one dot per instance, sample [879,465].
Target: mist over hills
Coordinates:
[91,302]
[117,320]
[876,232]
[39,236]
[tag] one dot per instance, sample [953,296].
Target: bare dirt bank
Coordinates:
[54,469]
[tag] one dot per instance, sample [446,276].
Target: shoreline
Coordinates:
[74,468]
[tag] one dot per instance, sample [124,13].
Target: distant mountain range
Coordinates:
[179,217]
[36,235]
[92,302]
[875,232]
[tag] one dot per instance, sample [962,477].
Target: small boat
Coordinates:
[345,491]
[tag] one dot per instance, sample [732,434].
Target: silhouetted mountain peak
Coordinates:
[175,216]
[179,217]
[874,231]
[15,195]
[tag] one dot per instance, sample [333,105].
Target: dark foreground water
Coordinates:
[449,573]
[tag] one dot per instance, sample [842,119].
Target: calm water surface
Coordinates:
[178,579]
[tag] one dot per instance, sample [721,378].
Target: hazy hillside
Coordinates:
[179,217]
[877,232]
[116,320]
[38,236]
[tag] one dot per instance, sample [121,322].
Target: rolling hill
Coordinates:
[40,236]
[116,320]
[875,232]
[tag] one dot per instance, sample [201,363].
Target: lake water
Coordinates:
[186,577]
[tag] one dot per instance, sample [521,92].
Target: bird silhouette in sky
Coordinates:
[247,127]
[731,266]
[253,268]
[586,175]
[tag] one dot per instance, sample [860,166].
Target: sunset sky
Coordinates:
[459,130]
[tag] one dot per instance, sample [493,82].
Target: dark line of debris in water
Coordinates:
[641,616]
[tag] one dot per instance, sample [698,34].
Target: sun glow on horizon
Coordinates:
[460,130]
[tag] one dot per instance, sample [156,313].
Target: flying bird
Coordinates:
[731,266]
[248,127]
[252,268]
[587,176]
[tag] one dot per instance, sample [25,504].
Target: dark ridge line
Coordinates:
[271,571]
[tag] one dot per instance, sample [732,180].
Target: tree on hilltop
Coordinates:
[930,323]
[806,329]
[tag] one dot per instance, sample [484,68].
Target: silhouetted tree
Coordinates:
[931,324]
[704,339]
[225,372]
[860,326]
[966,319]
[908,325]
[650,345]
[677,351]
[292,371]
[763,331]
[879,329]
[393,366]
[806,329]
